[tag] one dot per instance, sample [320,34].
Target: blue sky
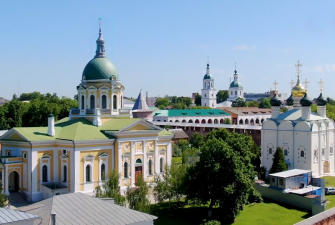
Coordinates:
[162,46]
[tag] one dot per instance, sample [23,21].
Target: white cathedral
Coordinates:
[307,138]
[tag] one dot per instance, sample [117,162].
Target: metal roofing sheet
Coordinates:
[12,216]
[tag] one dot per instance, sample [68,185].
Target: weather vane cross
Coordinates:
[298,66]
[306,83]
[321,85]
[292,83]
[276,85]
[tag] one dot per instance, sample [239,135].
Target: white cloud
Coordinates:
[325,68]
[244,47]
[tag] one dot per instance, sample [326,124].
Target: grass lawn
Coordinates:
[265,213]
[268,213]
[330,182]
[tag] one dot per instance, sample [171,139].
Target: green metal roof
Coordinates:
[99,68]
[116,124]
[191,112]
[76,130]
[235,84]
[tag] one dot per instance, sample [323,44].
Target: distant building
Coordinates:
[235,88]
[248,115]
[211,116]
[141,109]
[208,92]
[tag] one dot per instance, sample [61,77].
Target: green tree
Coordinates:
[3,197]
[222,96]
[162,103]
[196,140]
[170,186]
[227,121]
[278,164]
[239,102]
[265,103]
[197,100]
[179,147]
[137,197]
[253,104]
[224,175]
[111,189]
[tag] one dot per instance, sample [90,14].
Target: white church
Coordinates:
[307,138]
[208,92]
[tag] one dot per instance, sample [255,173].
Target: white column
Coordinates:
[169,154]
[132,163]
[75,170]
[156,159]
[119,159]
[6,191]
[144,143]
[56,175]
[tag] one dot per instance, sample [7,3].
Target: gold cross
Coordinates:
[298,66]
[276,85]
[306,82]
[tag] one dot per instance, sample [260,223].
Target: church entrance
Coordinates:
[138,169]
[13,182]
[326,167]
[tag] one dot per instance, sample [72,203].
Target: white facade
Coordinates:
[208,92]
[307,140]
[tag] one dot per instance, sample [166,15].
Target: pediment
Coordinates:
[141,125]
[13,135]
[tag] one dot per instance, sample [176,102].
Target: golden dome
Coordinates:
[298,90]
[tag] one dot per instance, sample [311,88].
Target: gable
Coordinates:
[13,135]
[139,127]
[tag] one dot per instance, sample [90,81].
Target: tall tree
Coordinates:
[278,164]
[162,103]
[222,96]
[224,175]
[138,197]
[239,102]
[197,100]
[265,103]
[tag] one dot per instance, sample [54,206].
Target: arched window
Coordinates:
[241,121]
[45,173]
[150,167]
[209,121]
[190,121]
[125,170]
[64,173]
[88,173]
[285,151]
[246,121]
[221,121]
[302,154]
[203,121]
[216,121]
[82,102]
[92,102]
[161,166]
[104,102]
[103,171]
[114,102]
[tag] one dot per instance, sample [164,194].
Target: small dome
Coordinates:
[320,101]
[298,90]
[275,101]
[305,101]
[207,77]
[235,84]
[290,100]
[98,69]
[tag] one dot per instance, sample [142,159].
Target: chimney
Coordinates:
[53,218]
[306,112]
[322,110]
[51,125]
[275,111]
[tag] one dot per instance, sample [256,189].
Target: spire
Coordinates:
[298,66]
[207,69]
[100,52]
[235,74]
